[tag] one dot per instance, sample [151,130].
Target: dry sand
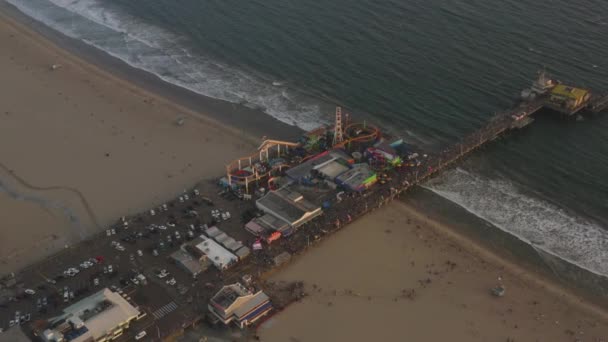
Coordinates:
[394,275]
[79,148]
[79,139]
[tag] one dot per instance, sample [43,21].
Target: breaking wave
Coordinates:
[536,222]
[167,56]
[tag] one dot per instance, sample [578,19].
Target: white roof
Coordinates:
[218,255]
[106,320]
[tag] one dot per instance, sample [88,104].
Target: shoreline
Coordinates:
[588,285]
[191,100]
[242,120]
[496,257]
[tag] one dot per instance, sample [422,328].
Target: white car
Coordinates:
[110,270]
[108,232]
[171,282]
[113,231]
[120,248]
[140,335]
[96,281]
[196,192]
[142,279]
[86,264]
[186,197]
[71,271]
[30,292]
[140,253]
[162,227]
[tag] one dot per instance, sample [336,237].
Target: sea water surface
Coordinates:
[429,71]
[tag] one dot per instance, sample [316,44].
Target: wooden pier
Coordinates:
[598,104]
[500,123]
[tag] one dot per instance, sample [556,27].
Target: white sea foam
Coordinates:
[167,55]
[542,224]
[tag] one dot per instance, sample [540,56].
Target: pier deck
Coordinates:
[599,104]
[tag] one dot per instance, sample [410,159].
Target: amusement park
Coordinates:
[346,156]
[294,182]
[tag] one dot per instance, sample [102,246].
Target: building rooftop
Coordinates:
[255,228]
[213,231]
[218,255]
[570,92]
[271,222]
[100,313]
[358,176]
[254,302]
[303,170]
[276,205]
[188,262]
[332,169]
[229,294]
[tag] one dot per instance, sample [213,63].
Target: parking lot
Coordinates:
[128,257]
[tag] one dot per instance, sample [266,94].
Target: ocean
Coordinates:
[428,71]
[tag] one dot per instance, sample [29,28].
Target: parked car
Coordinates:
[140,335]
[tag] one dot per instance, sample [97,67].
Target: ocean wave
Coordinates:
[169,57]
[534,221]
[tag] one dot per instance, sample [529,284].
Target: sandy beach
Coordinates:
[396,275]
[80,148]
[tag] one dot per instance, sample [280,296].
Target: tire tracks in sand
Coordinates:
[81,198]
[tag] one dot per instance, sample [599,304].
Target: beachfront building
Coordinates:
[569,97]
[219,256]
[286,210]
[234,246]
[100,317]
[193,265]
[235,303]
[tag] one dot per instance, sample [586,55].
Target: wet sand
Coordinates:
[80,148]
[85,140]
[395,275]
